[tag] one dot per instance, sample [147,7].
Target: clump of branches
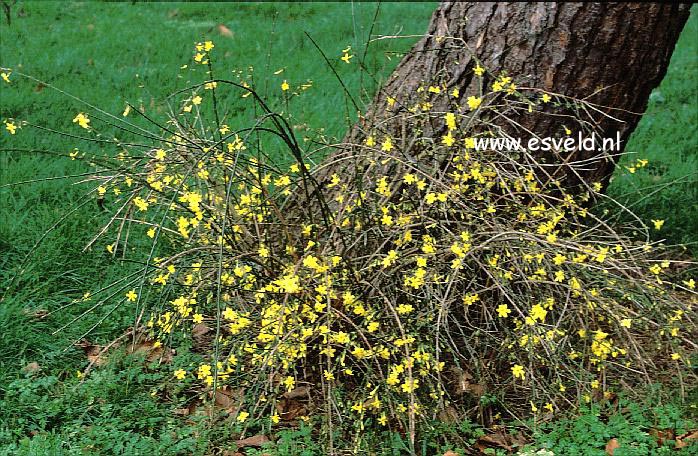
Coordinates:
[377,287]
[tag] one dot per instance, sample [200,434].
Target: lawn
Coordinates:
[111,54]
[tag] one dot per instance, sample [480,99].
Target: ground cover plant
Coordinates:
[275,330]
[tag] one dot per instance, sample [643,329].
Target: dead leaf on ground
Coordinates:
[611,446]
[463,383]
[500,439]
[691,437]
[298,393]
[229,399]
[290,409]
[661,435]
[92,352]
[37,313]
[152,352]
[31,368]
[450,453]
[254,441]
[449,415]
[188,410]
[225,31]
[201,336]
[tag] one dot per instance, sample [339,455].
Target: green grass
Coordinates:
[108,54]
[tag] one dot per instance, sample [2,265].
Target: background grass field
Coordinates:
[108,54]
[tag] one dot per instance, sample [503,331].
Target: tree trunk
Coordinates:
[609,54]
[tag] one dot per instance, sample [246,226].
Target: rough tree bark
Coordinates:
[611,54]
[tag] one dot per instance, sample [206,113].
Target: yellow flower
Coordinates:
[387,144]
[545,98]
[503,311]
[11,127]
[470,299]
[242,416]
[675,356]
[196,100]
[518,371]
[5,77]
[275,418]
[180,374]
[658,224]
[409,386]
[289,382]
[404,309]
[82,120]
[474,102]
[450,119]
[346,57]
[448,140]
[198,318]
[478,70]
[284,86]
[132,295]
[538,312]
[626,322]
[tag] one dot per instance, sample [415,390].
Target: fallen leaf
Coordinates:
[31,368]
[463,383]
[254,441]
[683,440]
[500,439]
[152,353]
[662,435]
[92,352]
[298,392]
[201,336]
[290,409]
[611,446]
[228,399]
[449,415]
[450,453]
[225,31]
